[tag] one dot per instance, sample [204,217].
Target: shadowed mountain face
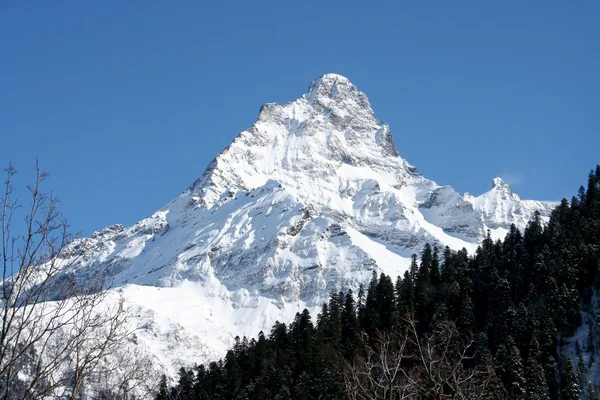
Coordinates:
[311,198]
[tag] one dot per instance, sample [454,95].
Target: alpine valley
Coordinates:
[312,198]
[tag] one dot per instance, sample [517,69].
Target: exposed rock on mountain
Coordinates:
[311,198]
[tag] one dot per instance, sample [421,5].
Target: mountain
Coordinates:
[312,198]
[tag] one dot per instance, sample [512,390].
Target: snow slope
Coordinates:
[310,199]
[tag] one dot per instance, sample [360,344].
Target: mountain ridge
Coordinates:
[311,198]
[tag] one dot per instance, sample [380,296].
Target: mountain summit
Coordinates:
[499,183]
[303,144]
[333,87]
[311,198]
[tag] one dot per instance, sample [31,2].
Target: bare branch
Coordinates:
[55,333]
[405,365]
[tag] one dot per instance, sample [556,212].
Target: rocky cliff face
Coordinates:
[311,198]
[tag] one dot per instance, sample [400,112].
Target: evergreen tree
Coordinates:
[301,336]
[335,317]
[512,372]
[537,387]
[385,300]
[185,384]
[592,394]
[466,321]
[435,267]
[163,390]
[414,268]
[406,296]
[350,328]
[569,381]
[369,319]
[424,290]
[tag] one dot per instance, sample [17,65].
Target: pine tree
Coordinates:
[350,328]
[360,298]
[163,390]
[500,310]
[407,295]
[435,268]
[533,235]
[570,389]
[369,318]
[512,372]
[301,334]
[580,196]
[279,340]
[385,300]
[424,291]
[466,321]
[336,302]
[537,387]
[592,394]
[414,268]
[447,273]
[399,310]
[233,373]
[185,384]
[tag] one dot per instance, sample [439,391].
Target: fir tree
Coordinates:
[537,388]
[414,268]
[435,267]
[350,328]
[511,364]
[569,381]
[163,390]
[466,321]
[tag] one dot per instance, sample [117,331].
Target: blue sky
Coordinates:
[126,102]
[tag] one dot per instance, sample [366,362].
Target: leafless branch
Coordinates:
[55,332]
[406,365]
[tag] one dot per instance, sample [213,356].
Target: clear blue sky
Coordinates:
[126,102]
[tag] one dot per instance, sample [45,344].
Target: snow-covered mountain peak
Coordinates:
[500,205]
[311,198]
[333,92]
[330,85]
[498,183]
[334,87]
[311,145]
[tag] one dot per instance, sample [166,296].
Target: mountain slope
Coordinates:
[311,198]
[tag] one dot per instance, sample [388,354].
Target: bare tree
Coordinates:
[405,365]
[128,375]
[109,364]
[55,330]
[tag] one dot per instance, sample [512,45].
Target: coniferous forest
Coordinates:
[516,320]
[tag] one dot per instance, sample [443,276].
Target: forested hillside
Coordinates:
[496,324]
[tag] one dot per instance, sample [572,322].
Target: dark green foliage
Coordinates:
[435,268]
[535,373]
[466,320]
[514,298]
[569,381]
[510,368]
[537,387]
[351,343]
[405,295]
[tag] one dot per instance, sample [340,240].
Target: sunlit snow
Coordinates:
[311,199]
